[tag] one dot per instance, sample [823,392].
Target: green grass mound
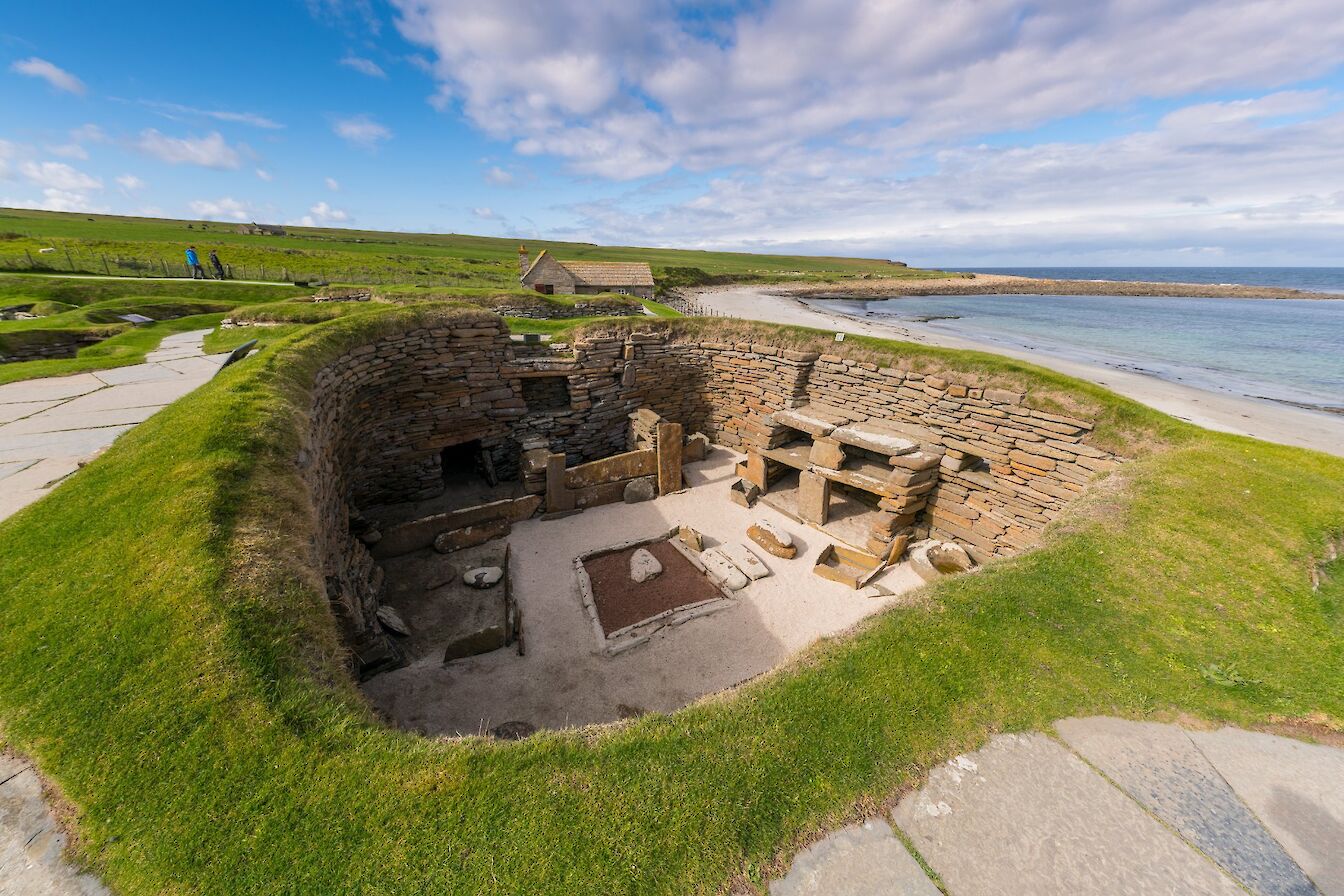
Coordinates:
[21,288]
[127,345]
[168,658]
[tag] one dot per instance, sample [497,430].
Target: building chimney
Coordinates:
[523,263]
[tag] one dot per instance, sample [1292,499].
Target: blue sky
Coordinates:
[989,132]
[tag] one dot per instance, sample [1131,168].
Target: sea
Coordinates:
[1285,350]
[1311,279]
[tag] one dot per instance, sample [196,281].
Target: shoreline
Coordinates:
[1271,420]
[1010,284]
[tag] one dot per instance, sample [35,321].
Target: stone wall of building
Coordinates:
[384,411]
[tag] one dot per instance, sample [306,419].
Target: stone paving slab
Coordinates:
[31,843]
[1160,766]
[135,395]
[20,409]
[1024,815]
[1295,788]
[62,420]
[10,467]
[194,366]
[80,442]
[136,373]
[861,860]
[53,388]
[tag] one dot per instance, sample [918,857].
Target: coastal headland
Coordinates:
[1007,284]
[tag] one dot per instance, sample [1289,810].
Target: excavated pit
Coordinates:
[436,450]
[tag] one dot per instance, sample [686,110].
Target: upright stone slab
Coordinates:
[558,496]
[1295,788]
[1160,766]
[1024,815]
[669,458]
[814,498]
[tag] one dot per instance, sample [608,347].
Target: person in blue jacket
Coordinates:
[194,262]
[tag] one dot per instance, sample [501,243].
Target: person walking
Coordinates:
[214,263]
[194,262]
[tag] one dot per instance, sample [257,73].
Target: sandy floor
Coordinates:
[564,681]
[1266,420]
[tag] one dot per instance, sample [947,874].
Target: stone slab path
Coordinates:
[50,427]
[1111,807]
[31,842]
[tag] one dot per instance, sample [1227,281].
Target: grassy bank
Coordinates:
[147,245]
[187,700]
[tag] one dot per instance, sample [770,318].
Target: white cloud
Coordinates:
[225,209]
[333,184]
[635,88]
[210,151]
[57,77]
[59,176]
[69,151]
[364,66]
[88,133]
[1246,183]
[485,213]
[361,131]
[322,215]
[263,174]
[179,112]
[498,176]
[54,200]
[130,183]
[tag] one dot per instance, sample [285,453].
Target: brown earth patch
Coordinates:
[621,601]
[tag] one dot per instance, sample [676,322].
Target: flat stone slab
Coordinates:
[1024,815]
[1295,788]
[31,842]
[61,420]
[861,860]
[814,419]
[1160,766]
[54,388]
[20,409]
[132,395]
[136,373]
[873,436]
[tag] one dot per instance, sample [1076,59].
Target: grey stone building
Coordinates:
[550,276]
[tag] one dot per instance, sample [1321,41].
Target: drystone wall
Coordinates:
[18,348]
[384,411]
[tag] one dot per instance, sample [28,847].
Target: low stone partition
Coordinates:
[563,425]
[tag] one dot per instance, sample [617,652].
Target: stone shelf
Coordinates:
[794,454]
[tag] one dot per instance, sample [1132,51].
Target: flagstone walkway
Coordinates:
[50,427]
[1110,808]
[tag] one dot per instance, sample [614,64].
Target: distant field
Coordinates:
[102,244]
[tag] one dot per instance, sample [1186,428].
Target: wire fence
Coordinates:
[691,306]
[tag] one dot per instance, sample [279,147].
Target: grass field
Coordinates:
[150,245]
[187,700]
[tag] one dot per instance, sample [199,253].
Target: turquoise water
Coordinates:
[1311,279]
[1286,350]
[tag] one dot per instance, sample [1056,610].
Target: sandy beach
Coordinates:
[1268,420]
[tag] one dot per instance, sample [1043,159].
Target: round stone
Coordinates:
[483,576]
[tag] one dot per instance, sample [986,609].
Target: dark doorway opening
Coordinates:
[462,464]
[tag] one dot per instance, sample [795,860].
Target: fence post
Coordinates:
[263,273]
[165,266]
[31,263]
[105,268]
[70,261]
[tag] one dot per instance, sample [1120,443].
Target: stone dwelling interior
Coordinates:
[519,536]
